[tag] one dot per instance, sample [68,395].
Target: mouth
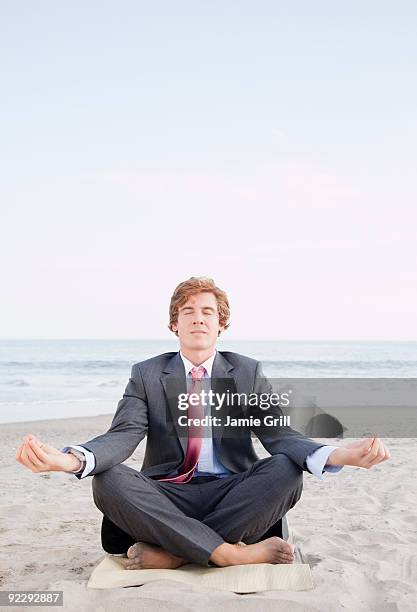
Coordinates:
[198,332]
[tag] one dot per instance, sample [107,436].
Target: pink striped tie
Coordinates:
[194,433]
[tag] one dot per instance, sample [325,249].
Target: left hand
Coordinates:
[363,453]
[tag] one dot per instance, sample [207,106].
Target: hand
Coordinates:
[40,457]
[364,453]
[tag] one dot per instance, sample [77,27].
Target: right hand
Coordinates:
[40,457]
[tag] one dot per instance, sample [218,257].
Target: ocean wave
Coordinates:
[319,364]
[54,401]
[67,365]
[284,363]
[17,383]
[109,383]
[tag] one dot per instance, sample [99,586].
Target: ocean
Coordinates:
[43,379]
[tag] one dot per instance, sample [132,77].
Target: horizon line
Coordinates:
[231,339]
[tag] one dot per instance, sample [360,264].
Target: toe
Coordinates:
[132,565]
[133,551]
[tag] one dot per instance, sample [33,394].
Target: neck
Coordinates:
[197,357]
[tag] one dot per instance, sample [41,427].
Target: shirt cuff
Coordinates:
[316,462]
[90,460]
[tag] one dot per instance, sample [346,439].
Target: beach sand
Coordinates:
[356,529]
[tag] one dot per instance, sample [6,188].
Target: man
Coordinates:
[200,497]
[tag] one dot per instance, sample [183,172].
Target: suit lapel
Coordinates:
[174,383]
[222,381]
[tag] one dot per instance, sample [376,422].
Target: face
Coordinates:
[198,322]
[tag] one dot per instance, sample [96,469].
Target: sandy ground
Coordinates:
[357,530]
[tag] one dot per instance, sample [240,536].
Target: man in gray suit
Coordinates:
[202,494]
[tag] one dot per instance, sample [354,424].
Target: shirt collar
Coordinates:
[208,364]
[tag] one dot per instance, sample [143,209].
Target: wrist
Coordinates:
[335,457]
[75,463]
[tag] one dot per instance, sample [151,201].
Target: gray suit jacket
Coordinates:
[147,410]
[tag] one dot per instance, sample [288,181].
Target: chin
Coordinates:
[200,342]
[201,345]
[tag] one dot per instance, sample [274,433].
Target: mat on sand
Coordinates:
[110,573]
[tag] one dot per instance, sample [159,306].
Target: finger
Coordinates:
[385,452]
[372,456]
[38,442]
[371,441]
[381,450]
[19,452]
[23,456]
[35,460]
[39,452]
[27,461]
[31,437]
[366,446]
[380,455]
[28,438]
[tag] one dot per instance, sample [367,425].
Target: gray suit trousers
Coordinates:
[191,520]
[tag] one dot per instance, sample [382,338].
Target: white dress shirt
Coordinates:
[208,462]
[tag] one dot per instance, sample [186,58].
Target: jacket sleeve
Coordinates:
[127,430]
[284,439]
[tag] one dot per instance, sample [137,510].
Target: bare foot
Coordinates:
[147,556]
[271,550]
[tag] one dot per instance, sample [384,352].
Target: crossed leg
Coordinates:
[172,524]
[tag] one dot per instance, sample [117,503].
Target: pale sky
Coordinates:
[269,145]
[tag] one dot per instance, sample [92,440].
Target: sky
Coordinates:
[268,145]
